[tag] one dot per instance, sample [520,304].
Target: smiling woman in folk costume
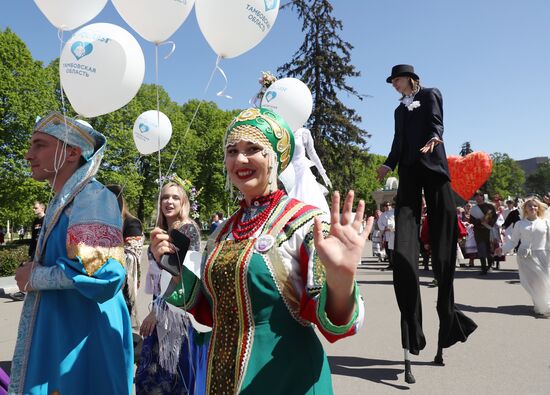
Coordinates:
[272,272]
[74,333]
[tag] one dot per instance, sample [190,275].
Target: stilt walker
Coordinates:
[418,150]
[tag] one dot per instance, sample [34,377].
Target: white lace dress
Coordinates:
[533,260]
[299,181]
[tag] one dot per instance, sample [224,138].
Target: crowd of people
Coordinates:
[271,272]
[242,318]
[489,230]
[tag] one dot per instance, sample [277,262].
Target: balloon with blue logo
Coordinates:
[101,69]
[152,131]
[155,20]
[291,99]
[232,27]
[70,14]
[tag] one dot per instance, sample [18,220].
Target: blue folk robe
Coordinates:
[75,335]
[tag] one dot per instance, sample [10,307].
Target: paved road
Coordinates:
[509,353]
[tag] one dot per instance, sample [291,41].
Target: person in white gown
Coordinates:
[386,224]
[299,181]
[533,254]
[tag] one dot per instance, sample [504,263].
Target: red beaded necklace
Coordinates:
[242,230]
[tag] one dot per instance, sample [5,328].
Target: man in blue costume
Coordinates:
[74,332]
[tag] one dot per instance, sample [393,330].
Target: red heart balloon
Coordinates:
[469,173]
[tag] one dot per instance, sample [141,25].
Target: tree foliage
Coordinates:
[539,182]
[466,149]
[506,178]
[323,63]
[194,152]
[367,182]
[26,91]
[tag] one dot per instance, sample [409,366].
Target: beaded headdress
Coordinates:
[267,129]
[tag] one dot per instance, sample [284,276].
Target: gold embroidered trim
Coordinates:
[279,271]
[93,258]
[233,327]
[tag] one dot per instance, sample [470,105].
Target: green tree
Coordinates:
[539,181]
[465,149]
[323,63]
[26,91]
[122,163]
[201,153]
[367,181]
[506,178]
[195,153]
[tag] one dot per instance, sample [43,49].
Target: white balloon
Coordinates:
[154,20]
[70,14]
[291,99]
[101,68]
[232,27]
[83,122]
[152,131]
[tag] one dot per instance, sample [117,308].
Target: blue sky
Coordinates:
[490,59]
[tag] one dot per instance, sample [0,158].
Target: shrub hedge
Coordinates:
[11,257]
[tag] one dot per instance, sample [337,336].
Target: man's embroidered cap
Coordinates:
[266,128]
[75,133]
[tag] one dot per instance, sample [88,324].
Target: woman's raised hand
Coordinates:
[341,250]
[161,243]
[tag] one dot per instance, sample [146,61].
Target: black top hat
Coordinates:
[401,70]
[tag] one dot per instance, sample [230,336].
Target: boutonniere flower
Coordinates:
[413,105]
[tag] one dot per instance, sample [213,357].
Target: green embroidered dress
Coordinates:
[263,296]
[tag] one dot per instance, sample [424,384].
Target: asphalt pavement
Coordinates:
[509,353]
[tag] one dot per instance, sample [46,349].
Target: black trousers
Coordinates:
[443,230]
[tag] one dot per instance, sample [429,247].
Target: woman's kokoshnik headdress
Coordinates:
[267,129]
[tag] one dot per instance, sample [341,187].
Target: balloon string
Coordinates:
[60,154]
[171,49]
[60,37]
[157,81]
[194,114]
[158,114]
[157,71]
[222,92]
[158,124]
[160,183]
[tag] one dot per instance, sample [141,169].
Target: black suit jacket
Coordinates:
[414,128]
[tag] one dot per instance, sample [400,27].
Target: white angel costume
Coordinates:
[533,260]
[386,223]
[299,181]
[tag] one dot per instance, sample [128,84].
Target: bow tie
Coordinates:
[407,100]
